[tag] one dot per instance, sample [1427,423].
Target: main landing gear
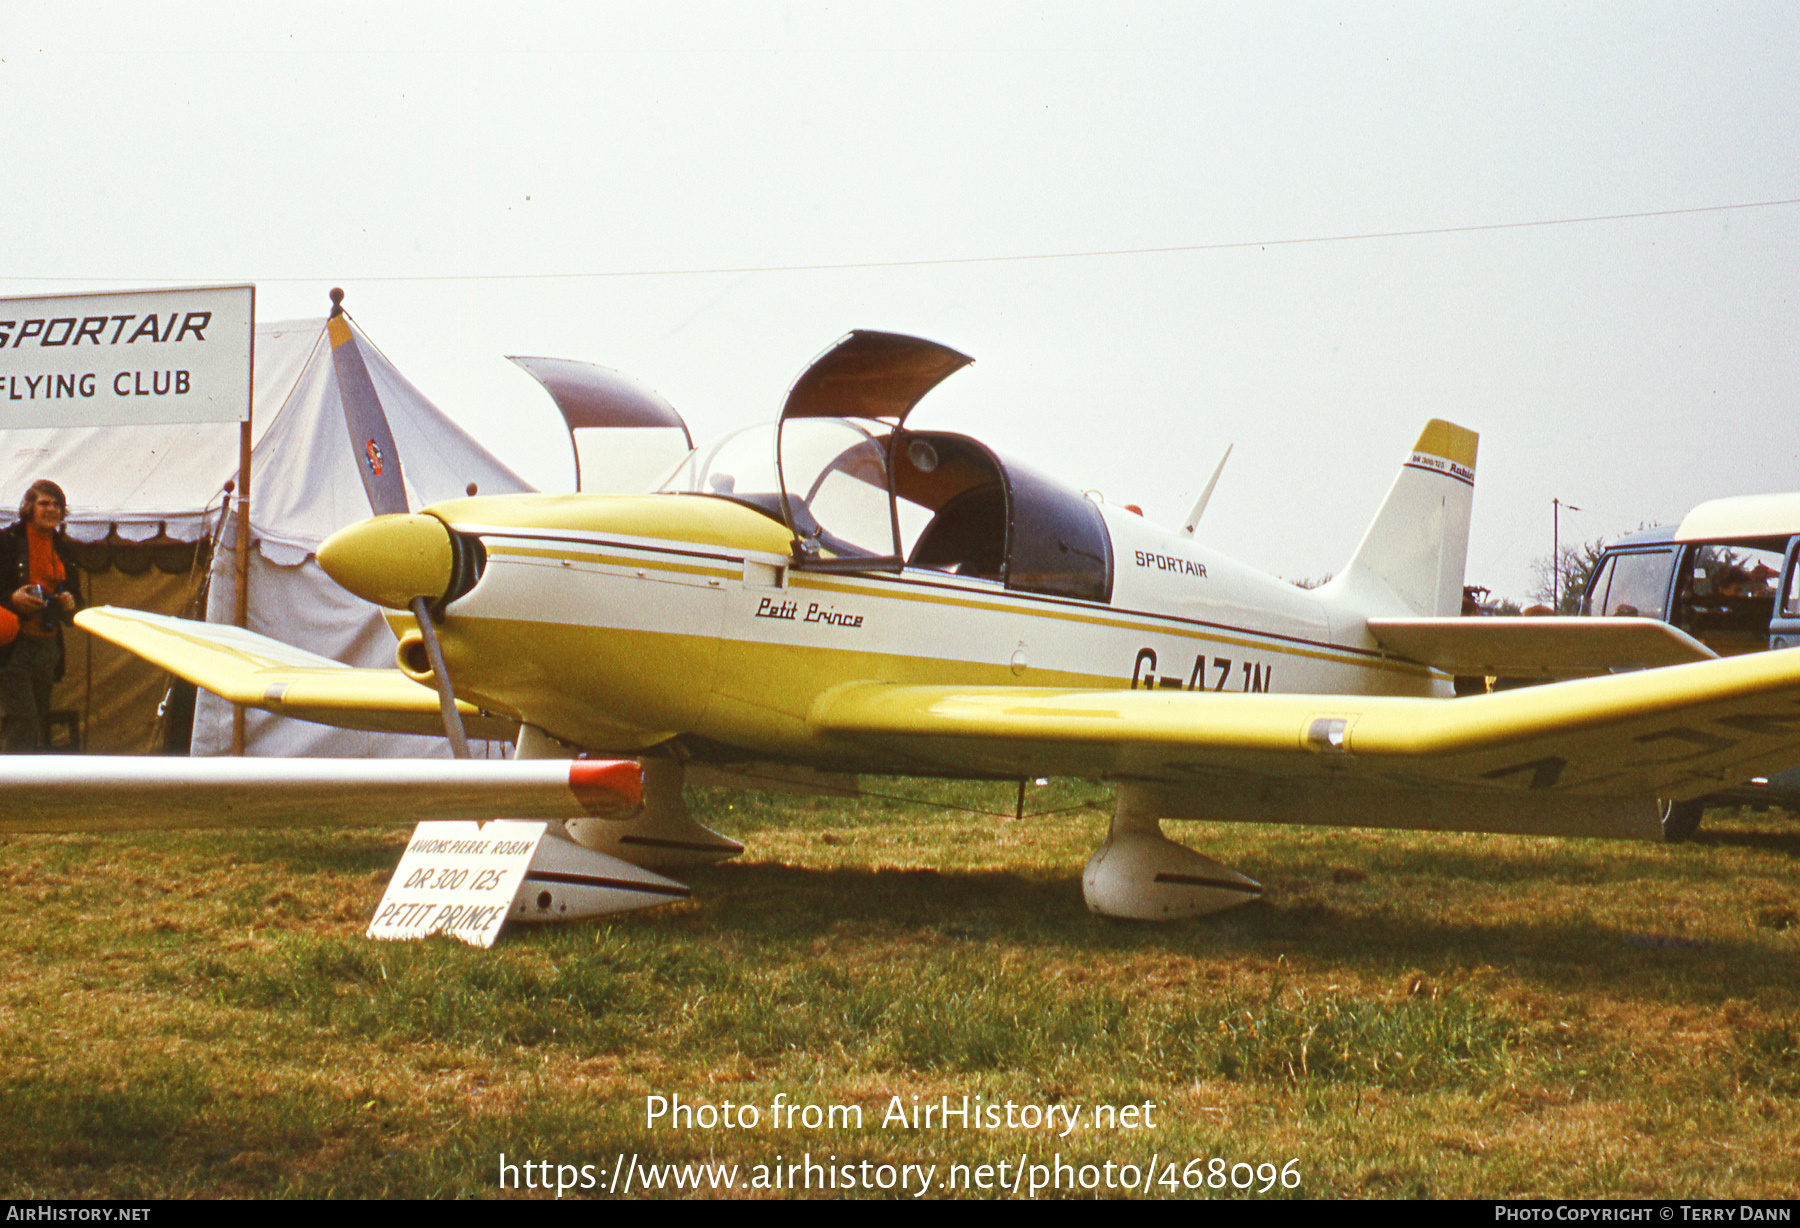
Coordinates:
[1139,874]
[605,865]
[661,836]
[1680,820]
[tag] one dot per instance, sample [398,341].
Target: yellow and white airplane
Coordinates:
[836,593]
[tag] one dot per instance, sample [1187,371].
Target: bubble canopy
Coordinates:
[859,492]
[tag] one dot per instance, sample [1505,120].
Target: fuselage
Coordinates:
[617,623]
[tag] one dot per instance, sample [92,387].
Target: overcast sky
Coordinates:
[635,188]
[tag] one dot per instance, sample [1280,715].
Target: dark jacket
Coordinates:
[15,573]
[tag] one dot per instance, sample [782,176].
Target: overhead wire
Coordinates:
[931,262]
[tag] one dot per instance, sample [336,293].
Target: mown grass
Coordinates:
[1403,1015]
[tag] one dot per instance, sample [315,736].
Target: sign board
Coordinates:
[457,878]
[127,359]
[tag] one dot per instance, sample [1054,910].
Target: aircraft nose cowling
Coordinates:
[391,559]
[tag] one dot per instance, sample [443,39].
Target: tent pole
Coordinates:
[241,546]
[241,540]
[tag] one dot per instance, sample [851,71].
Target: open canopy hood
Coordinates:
[872,375]
[592,398]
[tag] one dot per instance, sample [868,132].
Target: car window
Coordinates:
[1593,602]
[1727,596]
[1630,585]
[1735,572]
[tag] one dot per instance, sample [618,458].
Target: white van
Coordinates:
[1728,576]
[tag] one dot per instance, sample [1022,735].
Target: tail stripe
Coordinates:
[1436,464]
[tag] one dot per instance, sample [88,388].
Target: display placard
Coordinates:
[127,359]
[457,878]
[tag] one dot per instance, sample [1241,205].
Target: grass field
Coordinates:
[1402,1016]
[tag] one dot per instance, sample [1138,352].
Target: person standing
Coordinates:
[42,591]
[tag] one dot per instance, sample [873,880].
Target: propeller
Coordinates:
[378,464]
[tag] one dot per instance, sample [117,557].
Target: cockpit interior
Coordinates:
[866,497]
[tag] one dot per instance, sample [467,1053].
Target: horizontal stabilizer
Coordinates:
[1538,647]
[89,793]
[242,667]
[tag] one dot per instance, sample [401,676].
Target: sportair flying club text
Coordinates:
[49,387]
[73,330]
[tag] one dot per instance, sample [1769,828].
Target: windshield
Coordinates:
[741,463]
[836,471]
[837,481]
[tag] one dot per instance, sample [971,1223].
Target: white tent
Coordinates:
[157,487]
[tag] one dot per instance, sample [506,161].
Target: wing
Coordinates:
[1538,647]
[1590,756]
[60,793]
[253,670]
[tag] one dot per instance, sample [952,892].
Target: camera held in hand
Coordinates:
[46,617]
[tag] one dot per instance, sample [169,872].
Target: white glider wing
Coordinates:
[69,793]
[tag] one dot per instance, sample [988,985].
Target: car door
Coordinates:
[1631,583]
[1784,628]
[1727,593]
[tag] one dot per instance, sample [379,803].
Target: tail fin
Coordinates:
[1411,559]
